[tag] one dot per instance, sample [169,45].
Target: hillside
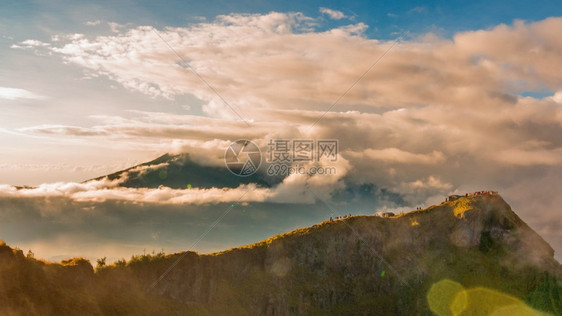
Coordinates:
[473,255]
[179,171]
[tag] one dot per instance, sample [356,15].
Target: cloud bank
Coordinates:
[434,116]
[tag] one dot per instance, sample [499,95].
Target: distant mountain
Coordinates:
[468,256]
[180,171]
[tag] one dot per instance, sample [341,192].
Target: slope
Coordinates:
[180,171]
[361,265]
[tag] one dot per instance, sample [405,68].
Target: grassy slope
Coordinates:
[359,265]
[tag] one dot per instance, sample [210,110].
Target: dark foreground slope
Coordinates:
[362,265]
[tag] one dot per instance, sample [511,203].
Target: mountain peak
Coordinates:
[180,171]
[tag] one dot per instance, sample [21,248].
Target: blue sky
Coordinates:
[40,19]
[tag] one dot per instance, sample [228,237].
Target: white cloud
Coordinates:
[434,115]
[54,167]
[429,101]
[103,190]
[265,73]
[92,23]
[333,14]
[430,183]
[418,10]
[30,42]
[292,190]
[16,94]
[401,156]
[557,97]
[158,126]
[115,27]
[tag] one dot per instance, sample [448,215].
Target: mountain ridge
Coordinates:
[359,265]
[179,171]
[501,231]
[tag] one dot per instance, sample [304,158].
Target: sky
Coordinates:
[425,98]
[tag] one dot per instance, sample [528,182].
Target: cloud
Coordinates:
[99,191]
[92,23]
[198,18]
[292,189]
[400,156]
[103,190]
[158,126]
[17,94]
[276,76]
[432,101]
[166,195]
[530,157]
[418,10]
[55,227]
[333,14]
[430,183]
[435,115]
[30,44]
[37,167]
[64,130]
[115,27]
[557,97]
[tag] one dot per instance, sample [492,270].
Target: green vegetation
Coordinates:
[546,295]
[361,265]
[486,242]
[35,287]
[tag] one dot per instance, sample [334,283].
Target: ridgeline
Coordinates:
[467,256]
